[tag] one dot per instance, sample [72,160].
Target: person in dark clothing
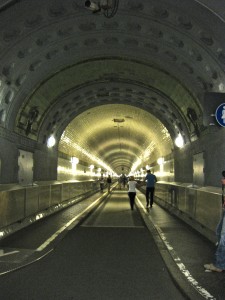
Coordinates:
[109,181]
[124,180]
[102,183]
[150,180]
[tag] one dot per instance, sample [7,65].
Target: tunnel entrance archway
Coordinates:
[121,136]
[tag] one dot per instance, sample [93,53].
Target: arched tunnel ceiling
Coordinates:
[118,135]
[108,81]
[58,60]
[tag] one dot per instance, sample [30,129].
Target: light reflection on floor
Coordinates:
[115,212]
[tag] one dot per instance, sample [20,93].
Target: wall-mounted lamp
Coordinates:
[74,160]
[51,142]
[179,141]
[160,160]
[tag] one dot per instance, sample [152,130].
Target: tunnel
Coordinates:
[111,87]
[122,88]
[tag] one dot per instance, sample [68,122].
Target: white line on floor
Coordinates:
[56,234]
[3,253]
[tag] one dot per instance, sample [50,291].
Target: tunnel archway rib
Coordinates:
[155,103]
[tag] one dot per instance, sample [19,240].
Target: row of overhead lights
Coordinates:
[74,160]
[179,142]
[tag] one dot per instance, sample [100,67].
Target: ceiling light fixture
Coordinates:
[118,120]
[108,7]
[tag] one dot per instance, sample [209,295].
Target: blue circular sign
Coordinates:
[220,114]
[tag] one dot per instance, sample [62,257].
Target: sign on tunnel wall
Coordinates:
[213,111]
[220,114]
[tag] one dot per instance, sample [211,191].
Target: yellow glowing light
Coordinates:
[179,141]
[51,141]
[94,158]
[160,160]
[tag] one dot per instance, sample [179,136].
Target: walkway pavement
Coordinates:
[183,250]
[188,250]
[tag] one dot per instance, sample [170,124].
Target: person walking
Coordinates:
[219,260]
[102,183]
[150,180]
[132,191]
[120,180]
[124,180]
[109,181]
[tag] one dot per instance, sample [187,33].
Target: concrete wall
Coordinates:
[214,147]
[9,162]
[45,164]
[45,160]
[212,144]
